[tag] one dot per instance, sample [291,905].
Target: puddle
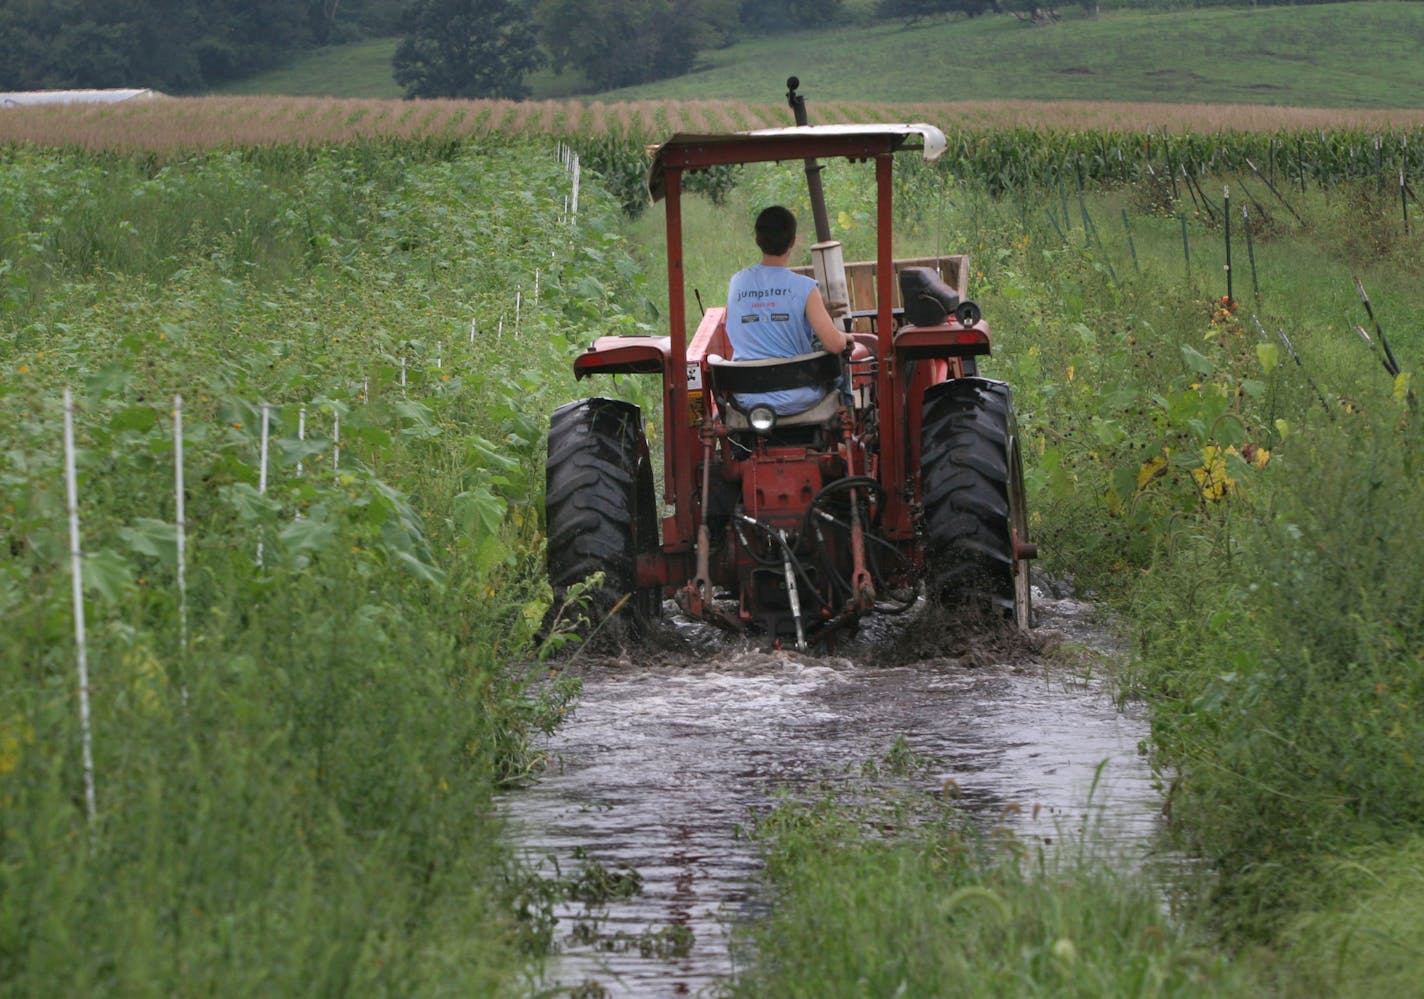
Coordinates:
[665,760]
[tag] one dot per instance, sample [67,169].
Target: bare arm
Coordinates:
[823,325]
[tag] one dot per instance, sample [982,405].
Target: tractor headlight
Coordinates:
[762,418]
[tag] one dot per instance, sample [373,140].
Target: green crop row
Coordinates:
[297,730]
[1025,161]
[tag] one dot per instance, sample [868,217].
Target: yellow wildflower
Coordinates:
[1151,470]
[1212,480]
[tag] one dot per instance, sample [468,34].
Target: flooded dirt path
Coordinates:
[667,760]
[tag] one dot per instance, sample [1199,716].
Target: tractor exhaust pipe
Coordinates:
[826,259]
[813,169]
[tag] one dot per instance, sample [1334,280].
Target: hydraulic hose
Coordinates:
[789,554]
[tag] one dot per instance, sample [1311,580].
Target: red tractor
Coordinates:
[906,477]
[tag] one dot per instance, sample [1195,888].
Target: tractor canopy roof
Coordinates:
[690,151]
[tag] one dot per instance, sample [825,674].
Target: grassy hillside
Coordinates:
[1332,55]
[1346,55]
[361,69]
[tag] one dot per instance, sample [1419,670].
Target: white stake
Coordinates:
[262,471]
[301,438]
[574,203]
[336,442]
[76,563]
[472,329]
[182,524]
[536,288]
[439,353]
[518,303]
[402,373]
[499,333]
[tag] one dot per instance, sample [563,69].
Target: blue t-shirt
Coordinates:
[766,317]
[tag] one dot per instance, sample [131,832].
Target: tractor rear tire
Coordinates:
[971,475]
[600,512]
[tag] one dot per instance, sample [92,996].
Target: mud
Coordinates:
[672,752]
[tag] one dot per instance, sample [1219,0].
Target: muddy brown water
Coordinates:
[670,755]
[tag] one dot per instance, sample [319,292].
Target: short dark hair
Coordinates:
[775,230]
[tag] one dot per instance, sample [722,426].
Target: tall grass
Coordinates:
[937,909]
[1254,514]
[1297,691]
[296,799]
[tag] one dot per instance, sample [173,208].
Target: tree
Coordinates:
[914,11]
[618,43]
[781,16]
[64,44]
[467,48]
[1032,11]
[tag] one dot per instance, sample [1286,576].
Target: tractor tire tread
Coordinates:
[597,493]
[966,482]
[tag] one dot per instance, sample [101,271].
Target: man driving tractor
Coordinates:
[774,312]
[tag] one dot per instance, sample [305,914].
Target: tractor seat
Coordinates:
[817,369]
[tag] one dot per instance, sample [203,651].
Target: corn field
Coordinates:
[1005,146]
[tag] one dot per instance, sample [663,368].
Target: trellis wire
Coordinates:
[76,562]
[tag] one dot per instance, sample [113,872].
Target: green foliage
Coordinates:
[621,166]
[158,43]
[1253,511]
[295,754]
[936,909]
[912,12]
[1362,943]
[637,41]
[785,16]
[166,44]
[466,48]
[1294,715]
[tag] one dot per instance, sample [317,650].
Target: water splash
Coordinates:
[669,756]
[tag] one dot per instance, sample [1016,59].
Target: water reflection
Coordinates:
[668,758]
